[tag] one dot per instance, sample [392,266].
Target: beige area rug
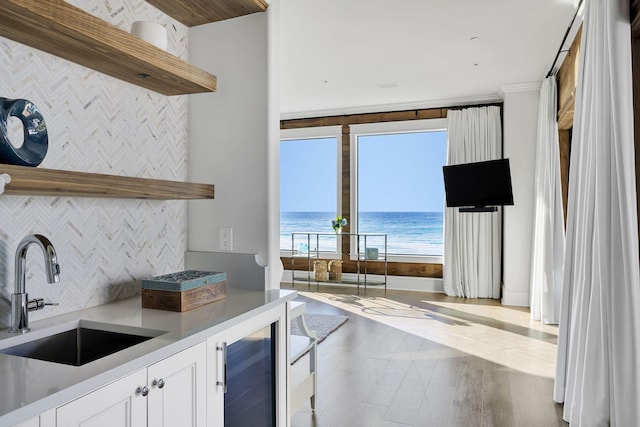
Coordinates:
[323,324]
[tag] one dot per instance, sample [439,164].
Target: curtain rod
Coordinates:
[564,39]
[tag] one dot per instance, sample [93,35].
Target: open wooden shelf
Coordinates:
[198,12]
[51,182]
[66,31]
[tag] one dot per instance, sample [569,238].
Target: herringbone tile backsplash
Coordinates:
[97,124]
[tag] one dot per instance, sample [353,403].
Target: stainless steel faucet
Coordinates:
[20,304]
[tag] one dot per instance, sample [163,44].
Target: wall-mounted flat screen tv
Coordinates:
[481,185]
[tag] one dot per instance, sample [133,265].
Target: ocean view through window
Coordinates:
[309,171]
[409,233]
[397,187]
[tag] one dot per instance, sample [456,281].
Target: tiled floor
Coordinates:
[424,359]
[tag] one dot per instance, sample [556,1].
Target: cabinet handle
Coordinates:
[144,391]
[158,383]
[223,349]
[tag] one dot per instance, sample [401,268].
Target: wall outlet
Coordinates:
[226,238]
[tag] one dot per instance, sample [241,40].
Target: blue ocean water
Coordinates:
[408,233]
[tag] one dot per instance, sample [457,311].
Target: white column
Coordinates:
[520,117]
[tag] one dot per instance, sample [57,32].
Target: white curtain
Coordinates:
[473,241]
[547,259]
[598,365]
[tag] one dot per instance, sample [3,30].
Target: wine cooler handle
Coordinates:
[222,366]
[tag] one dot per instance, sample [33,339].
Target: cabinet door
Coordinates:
[177,384]
[114,405]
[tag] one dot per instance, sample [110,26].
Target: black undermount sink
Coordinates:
[84,343]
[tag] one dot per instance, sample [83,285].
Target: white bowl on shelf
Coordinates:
[151,32]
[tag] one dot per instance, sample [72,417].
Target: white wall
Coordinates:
[520,118]
[229,135]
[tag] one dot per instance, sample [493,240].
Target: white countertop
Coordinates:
[29,387]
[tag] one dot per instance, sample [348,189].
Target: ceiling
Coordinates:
[350,56]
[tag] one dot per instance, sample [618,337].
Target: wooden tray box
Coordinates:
[183,291]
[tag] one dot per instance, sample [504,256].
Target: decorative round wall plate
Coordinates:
[36,142]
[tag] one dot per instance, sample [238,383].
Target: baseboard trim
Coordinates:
[520,299]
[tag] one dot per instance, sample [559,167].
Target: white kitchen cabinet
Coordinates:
[178,388]
[47,419]
[114,405]
[33,422]
[248,369]
[171,392]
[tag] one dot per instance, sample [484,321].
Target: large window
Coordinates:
[397,185]
[309,179]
